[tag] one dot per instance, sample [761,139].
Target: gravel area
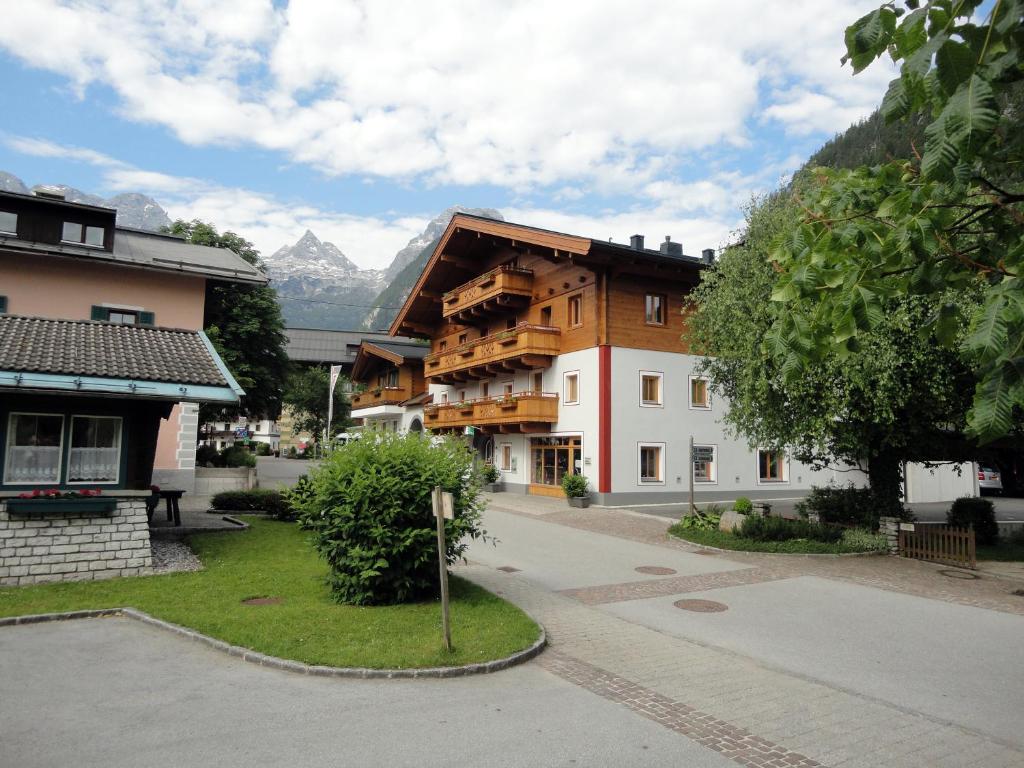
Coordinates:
[171,556]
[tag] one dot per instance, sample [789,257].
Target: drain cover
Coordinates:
[655,570]
[262,601]
[1018,592]
[508,569]
[701,606]
[959,574]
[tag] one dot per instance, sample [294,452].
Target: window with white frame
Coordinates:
[571,388]
[8,223]
[700,396]
[772,466]
[507,387]
[506,457]
[651,463]
[95,452]
[705,463]
[34,443]
[650,389]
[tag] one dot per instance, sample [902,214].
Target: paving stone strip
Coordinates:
[677,585]
[735,743]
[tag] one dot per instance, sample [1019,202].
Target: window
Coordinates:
[444,397]
[652,463]
[705,464]
[34,442]
[3,304]
[508,388]
[443,345]
[772,467]
[654,309]
[485,389]
[576,311]
[545,316]
[510,323]
[393,377]
[462,395]
[463,338]
[95,454]
[122,318]
[537,384]
[650,389]
[80,233]
[699,395]
[123,315]
[571,388]
[8,223]
[506,457]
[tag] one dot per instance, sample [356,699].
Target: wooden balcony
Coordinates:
[380,396]
[521,412]
[521,348]
[505,289]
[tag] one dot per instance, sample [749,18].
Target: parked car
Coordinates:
[989,480]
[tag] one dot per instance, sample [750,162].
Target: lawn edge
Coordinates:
[289,665]
[870,553]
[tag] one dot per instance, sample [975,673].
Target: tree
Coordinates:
[245,325]
[306,398]
[901,396]
[942,224]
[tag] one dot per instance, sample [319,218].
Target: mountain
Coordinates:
[133,210]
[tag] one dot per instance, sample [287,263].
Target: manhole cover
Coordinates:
[959,574]
[655,570]
[262,601]
[701,606]
[508,569]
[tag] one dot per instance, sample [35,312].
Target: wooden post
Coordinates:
[439,515]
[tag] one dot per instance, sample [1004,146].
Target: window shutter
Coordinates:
[147,318]
[100,313]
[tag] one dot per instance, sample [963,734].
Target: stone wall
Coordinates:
[73,547]
[211,480]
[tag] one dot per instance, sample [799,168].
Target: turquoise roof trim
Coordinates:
[220,364]
[30,381]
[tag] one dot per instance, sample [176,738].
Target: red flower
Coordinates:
[52,492]
[155,488]
[36,492]
[25,495]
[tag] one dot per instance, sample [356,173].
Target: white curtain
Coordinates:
[32,464]
[93,464]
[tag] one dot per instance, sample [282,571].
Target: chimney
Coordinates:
[708,255]
[668,248]
[49,193]
[636,242]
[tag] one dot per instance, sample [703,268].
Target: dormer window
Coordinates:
[8,223]
[80,233]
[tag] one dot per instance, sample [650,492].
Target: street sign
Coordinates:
[702,453]
[469,430]
[447,506]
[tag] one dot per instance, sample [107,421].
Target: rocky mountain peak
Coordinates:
[314,258]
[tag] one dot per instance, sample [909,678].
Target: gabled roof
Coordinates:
[447,266]
[45,354]
[317,345]
[394,352]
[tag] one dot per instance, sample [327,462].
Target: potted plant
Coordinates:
[55,501]
[491,478]
[577,490]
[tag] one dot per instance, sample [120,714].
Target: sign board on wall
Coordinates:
[702,453]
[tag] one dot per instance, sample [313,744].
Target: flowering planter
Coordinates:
[44,507]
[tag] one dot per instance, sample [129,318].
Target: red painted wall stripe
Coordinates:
[604,418]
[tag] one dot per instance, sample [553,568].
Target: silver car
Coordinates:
[989,480]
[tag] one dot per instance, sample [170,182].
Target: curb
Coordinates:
[673,537]
[263,660]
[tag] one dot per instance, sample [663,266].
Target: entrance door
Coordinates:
[551,459]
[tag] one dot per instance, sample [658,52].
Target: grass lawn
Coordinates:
[1006,550]
[274,559]
[723,540]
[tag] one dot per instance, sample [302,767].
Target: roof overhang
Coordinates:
[368,354]
[51,383]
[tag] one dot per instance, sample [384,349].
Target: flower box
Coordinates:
[42,507]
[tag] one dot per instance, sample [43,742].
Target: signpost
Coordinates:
[444,509]
[693,474]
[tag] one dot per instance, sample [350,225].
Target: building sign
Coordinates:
[703,453]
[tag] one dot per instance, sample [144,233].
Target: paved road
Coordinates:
[273,472]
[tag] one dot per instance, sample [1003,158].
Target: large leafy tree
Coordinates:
[245,325]
[943,223]
[306,397]
[901,396]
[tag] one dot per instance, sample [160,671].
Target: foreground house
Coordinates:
[102,366]
[393,389]
[563,354]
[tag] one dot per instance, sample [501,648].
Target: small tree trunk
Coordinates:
[885,471]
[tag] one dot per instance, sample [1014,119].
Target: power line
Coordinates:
[333,303]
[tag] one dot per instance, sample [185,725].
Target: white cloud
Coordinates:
[603,94]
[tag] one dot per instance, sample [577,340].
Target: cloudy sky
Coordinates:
[363,120]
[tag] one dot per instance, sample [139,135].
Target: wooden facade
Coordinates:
[390,374]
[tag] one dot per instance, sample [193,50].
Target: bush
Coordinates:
[263,449]
[864,541]
[701,521]
[743,505]
[207,455]
[257,500]
[976,512]
[237,456]
[760,528]
[575,486]
[489,473]
[846,505]
[370,514]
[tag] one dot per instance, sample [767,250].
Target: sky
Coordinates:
[363,120]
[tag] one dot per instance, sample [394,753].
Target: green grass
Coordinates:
[275,559]
[1006,550]
[724,540]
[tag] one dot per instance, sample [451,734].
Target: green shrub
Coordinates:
[701,521]
[575,486]
[489,473]
[743,505]
[238,456]
[760,528]
[370,514]
[263,449]
[257,500]
[207,455]
[863,540]
[293,452]
[845,505]
[976,512]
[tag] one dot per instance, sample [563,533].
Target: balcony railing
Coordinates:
[380,396]
[522,347]
[520,412]
[500,290]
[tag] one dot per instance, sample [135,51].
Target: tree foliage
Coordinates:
[245,325]
[931,228]
[306,396]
